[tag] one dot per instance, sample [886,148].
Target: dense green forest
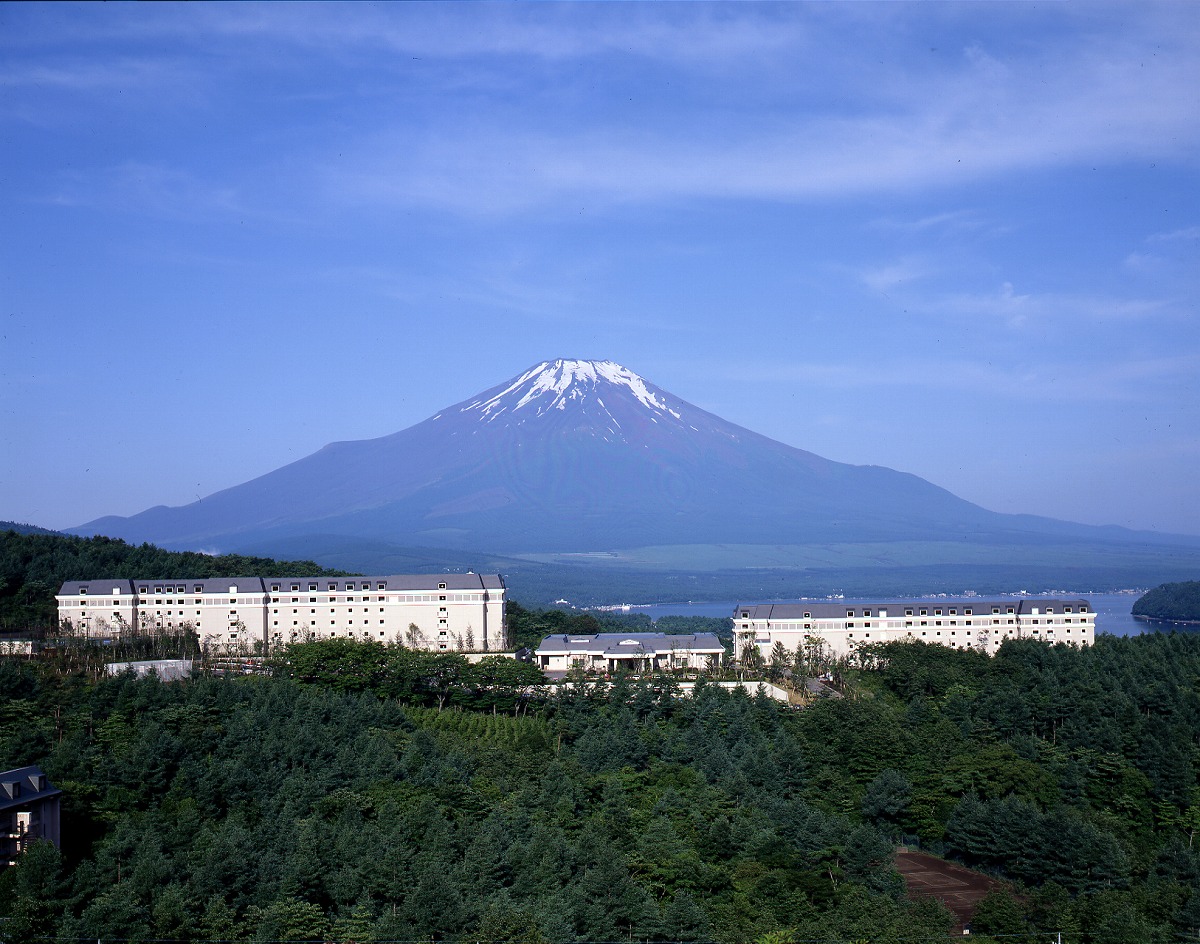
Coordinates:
[335,801]
[1171,601]
[34,566]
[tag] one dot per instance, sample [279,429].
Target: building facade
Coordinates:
[637,652]
[454,612]
[962,624]
[30,809]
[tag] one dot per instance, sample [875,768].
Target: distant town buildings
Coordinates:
[961,624]
[29,811]
[638,652]
[454,612]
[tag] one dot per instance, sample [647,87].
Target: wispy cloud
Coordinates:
[1019,309]
[148,189]
[954,129]
[1052,380]
[1188,234]
[901,274]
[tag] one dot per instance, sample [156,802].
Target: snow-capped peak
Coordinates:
[551,385]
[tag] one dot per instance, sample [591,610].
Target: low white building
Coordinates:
[455,612]
[638,652]
[962,624]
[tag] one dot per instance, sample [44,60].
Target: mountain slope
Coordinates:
[575,455]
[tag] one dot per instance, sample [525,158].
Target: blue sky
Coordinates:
[961,240]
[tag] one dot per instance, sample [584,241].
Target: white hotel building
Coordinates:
[962,624]
[453,612]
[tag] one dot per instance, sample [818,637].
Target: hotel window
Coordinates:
[312,587]
[441,586]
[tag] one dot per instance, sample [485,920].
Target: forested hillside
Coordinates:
[1171,601]
[34,566]
[331,803]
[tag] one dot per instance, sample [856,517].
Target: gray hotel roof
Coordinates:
[978,606]
[72,587]
[428,582]
[630,644]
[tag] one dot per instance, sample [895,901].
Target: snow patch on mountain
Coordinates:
[551,385]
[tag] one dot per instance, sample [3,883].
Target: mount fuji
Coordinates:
[577,455]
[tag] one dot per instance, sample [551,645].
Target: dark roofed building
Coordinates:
[29,811]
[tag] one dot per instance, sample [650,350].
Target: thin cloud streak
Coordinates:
[1125,381]
[1097,115]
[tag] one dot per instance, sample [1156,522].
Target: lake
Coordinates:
[1112,611]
